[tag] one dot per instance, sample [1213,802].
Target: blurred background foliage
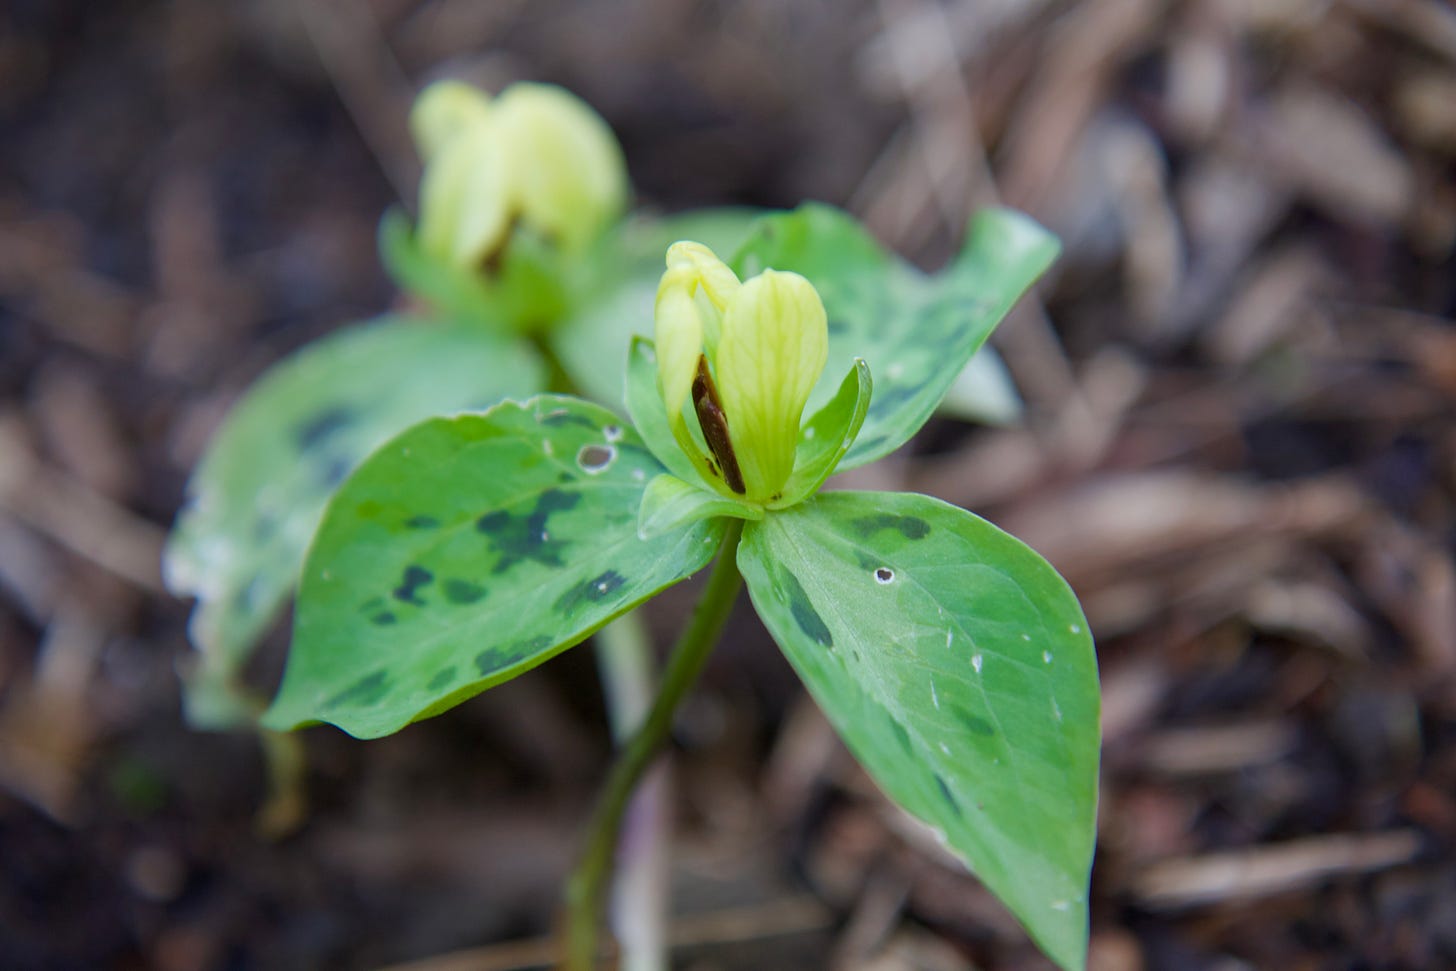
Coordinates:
[1238,446]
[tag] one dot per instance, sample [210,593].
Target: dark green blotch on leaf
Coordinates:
[334,471]
[597,588]
[442,678]
[890,398]
[322,426]
[949,797]
[383,619]
[265,527]
[366,691]
[901,735]
[520,538]
[564,417]
[248,595]
[495,659]
[421,522]
[415,577]
[975,723]
[459,591]
[911,527]
[803,611]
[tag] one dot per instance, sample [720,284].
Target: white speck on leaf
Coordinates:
[976,662]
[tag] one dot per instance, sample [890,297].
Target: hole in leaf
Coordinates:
[595,458]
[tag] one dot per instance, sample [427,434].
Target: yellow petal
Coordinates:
[716,279]
[678,316]
[713,285]
[679,339]
[568,177]
[464,200]
[772,350]
[443,111]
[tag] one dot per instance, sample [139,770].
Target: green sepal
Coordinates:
[669,504]
[649,415]
[956,665]
[827,436]
[449,291]
[467,551]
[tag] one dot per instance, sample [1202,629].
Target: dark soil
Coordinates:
[1239,447]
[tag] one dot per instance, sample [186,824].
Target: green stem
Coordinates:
[585,891]
[638,910]
[558,379]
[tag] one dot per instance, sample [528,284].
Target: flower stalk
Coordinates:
[586,889]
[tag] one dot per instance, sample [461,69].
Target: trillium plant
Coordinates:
[456,553]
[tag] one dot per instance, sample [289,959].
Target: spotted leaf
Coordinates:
[915,332]
[467,551]
[957,667]
[294,437]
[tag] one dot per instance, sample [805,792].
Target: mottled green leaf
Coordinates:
[258,493]
[669,504]
[916,332]
[469,550]
[957,666]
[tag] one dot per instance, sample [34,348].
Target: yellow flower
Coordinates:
[745,356]
[536,154]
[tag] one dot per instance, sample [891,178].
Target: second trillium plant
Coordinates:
[952,660]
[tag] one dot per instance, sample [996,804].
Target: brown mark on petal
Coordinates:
[715,426]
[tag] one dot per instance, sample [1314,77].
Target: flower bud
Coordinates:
[536,156]
[747,355]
